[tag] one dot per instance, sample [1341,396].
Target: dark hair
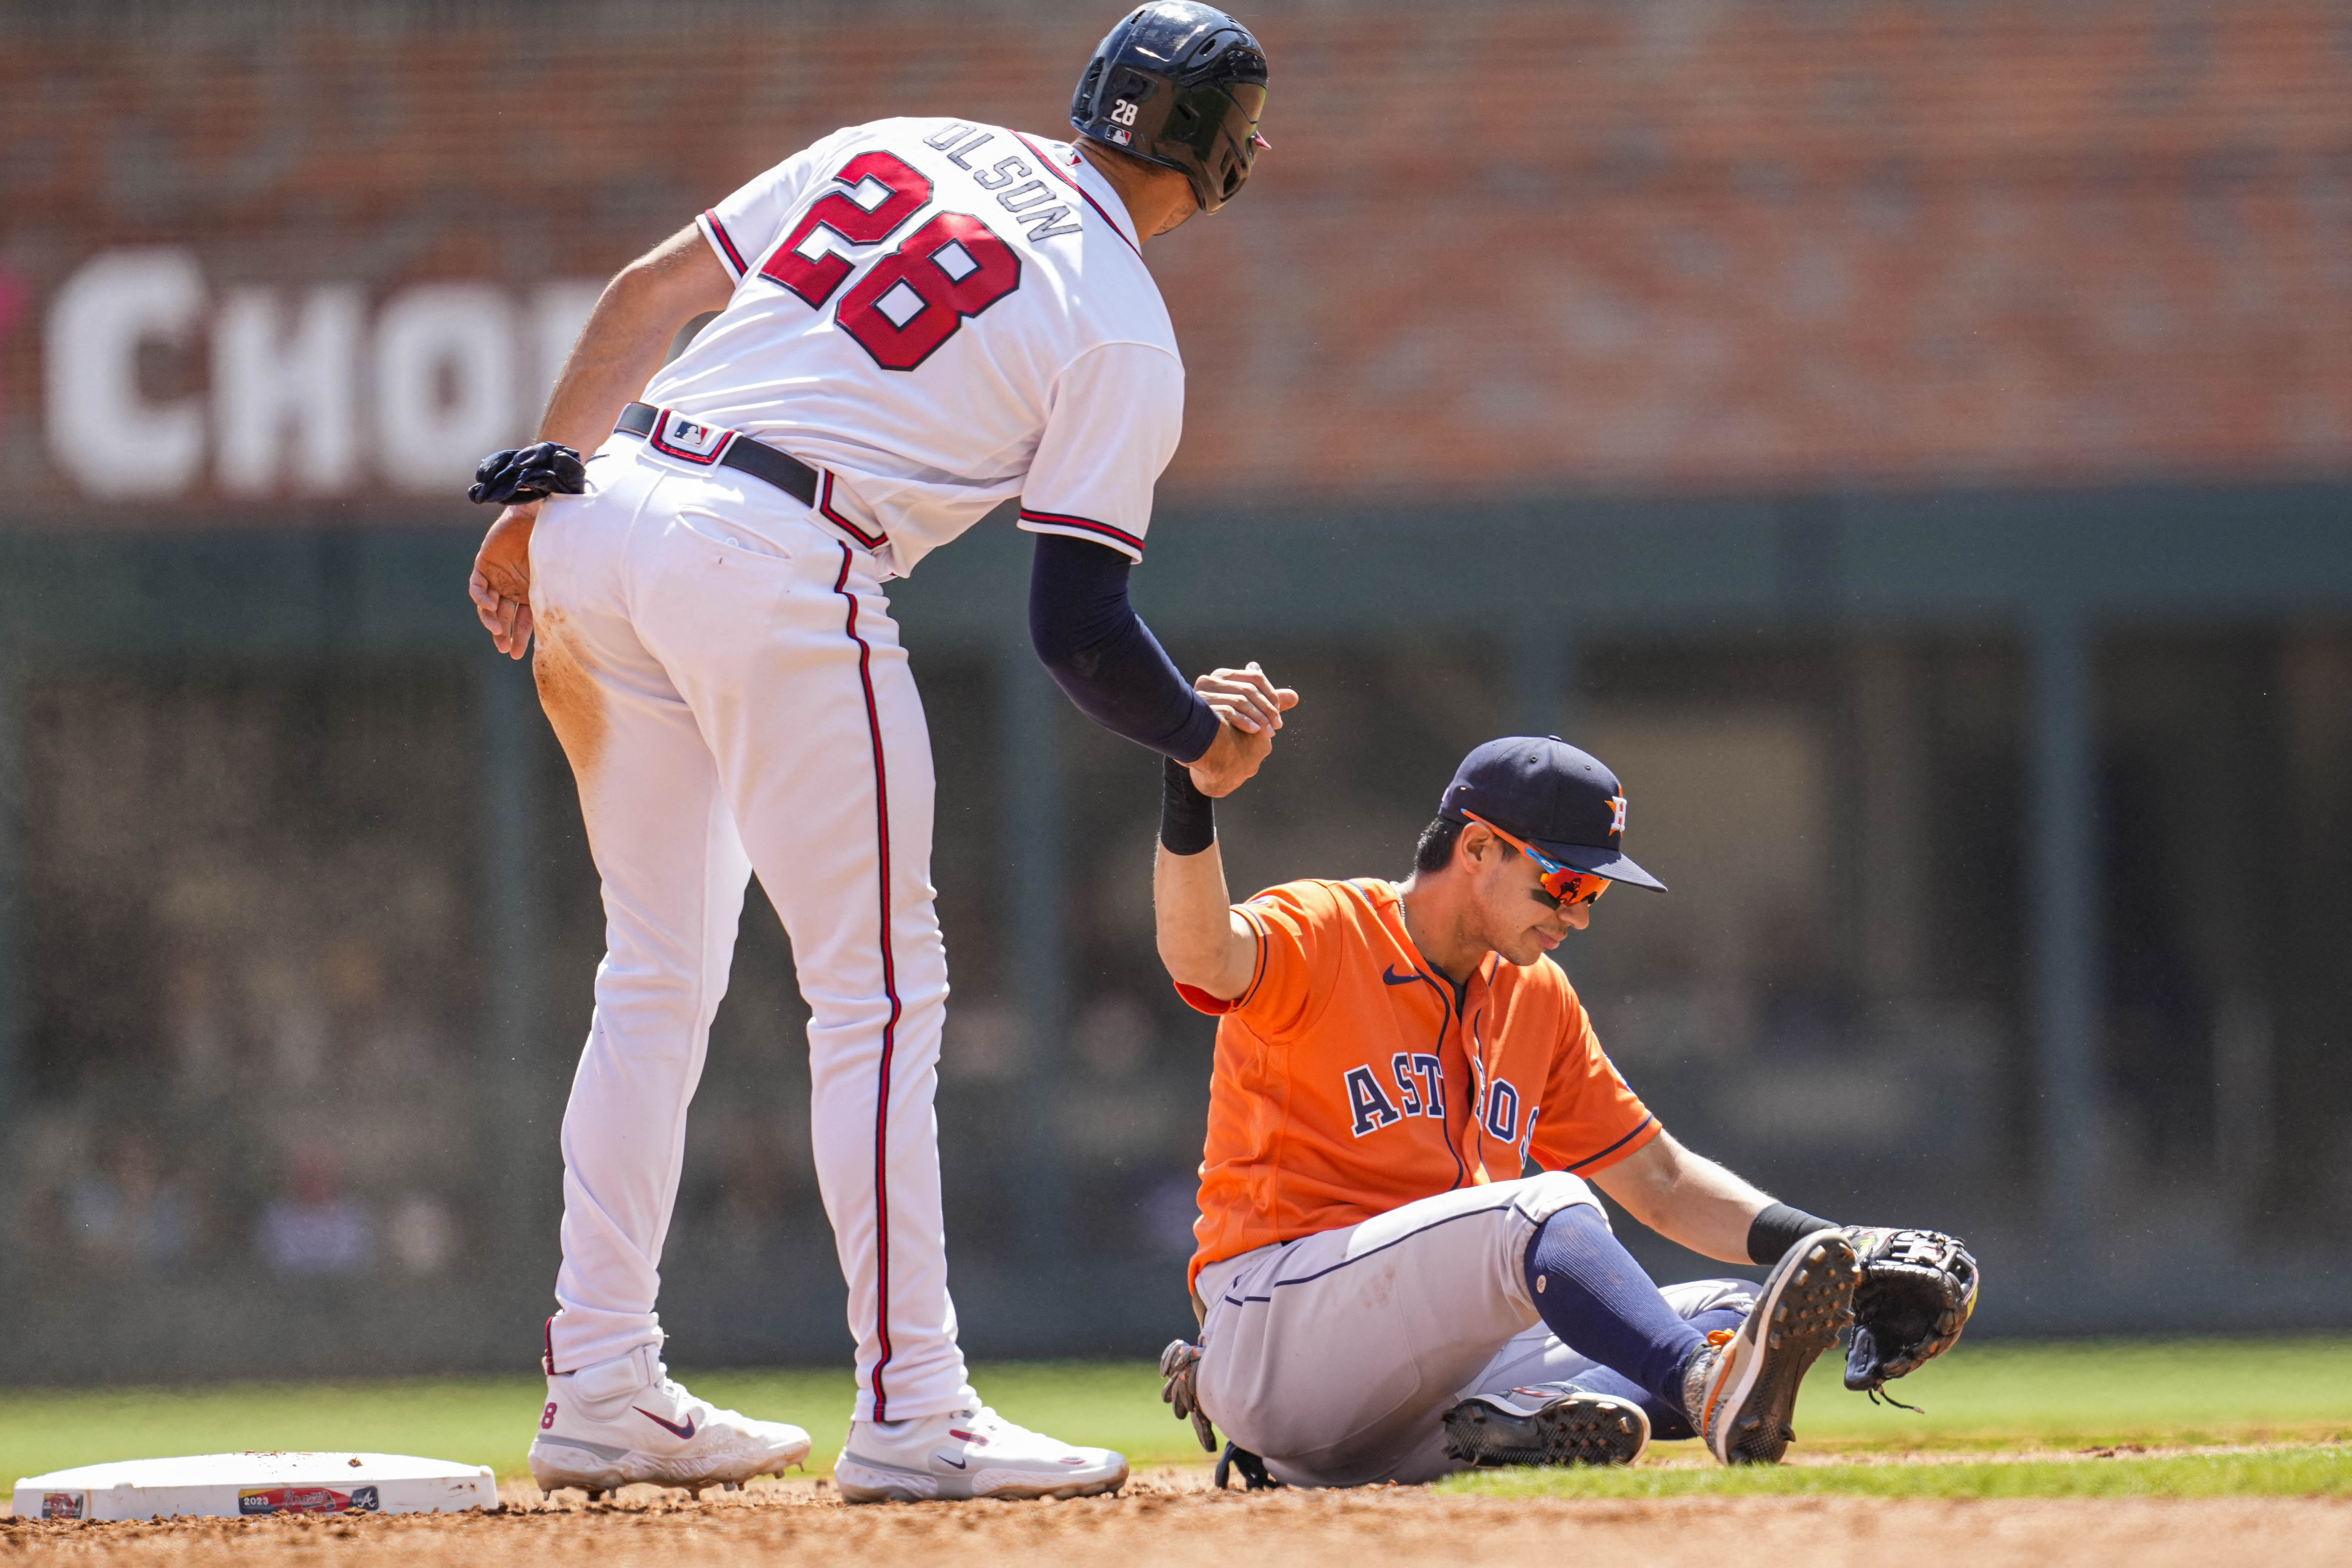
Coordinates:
[1434,851]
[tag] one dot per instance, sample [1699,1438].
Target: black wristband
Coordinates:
[1188,819]
[1779,1228]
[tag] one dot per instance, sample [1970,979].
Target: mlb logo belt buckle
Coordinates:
[688,439]
[680,436]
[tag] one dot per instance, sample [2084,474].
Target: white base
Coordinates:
[229,1485]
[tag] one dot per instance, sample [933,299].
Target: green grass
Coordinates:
[488,1421]
[2009,1397]
[2081,1392]
[2274,1472]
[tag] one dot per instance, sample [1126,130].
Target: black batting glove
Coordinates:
[531,473]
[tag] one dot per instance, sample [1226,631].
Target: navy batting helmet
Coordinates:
[1181,85]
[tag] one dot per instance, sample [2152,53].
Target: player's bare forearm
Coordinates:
[631,328]
[1202,942]
[636,317]
[1686,1198]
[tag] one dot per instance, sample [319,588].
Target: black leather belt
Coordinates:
[781,469]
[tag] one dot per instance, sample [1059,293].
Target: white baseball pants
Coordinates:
[726,678]
[1333,1357]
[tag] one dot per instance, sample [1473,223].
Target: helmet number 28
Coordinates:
[1122,112]
[913,299]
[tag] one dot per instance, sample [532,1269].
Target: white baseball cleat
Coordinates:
[624,1420]
[1740,1390]
[967,1453]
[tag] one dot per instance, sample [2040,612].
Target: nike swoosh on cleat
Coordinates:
[685,1433]
[1391,977]
[943,1460]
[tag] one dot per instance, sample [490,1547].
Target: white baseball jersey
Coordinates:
[941,316]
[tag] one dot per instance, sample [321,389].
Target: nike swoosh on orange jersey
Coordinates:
[1394,978]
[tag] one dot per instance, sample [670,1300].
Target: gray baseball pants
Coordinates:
[1332,1357]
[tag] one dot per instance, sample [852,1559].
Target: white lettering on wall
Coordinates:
[444,381]
[103,430]
[307,397]
[276,386]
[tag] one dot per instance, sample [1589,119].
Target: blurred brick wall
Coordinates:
[1686,245]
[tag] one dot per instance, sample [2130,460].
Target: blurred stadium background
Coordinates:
[1910,439]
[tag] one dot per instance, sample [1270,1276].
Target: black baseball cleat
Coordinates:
[1741,1389]
[1546,1423]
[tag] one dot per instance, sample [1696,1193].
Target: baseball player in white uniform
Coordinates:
[918,319]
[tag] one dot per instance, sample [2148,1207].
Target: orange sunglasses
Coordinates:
[1562,883]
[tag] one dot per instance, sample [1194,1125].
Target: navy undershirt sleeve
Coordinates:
[1103,657]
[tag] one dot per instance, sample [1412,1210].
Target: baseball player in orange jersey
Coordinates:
[1382,1295]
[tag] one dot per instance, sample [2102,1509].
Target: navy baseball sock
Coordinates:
[1669,1422]
[1595,1298]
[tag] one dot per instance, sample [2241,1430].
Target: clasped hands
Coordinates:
[1249,709]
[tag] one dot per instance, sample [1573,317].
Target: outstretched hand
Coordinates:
[501,586]
[1249,708]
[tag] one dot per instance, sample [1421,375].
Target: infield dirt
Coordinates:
[1170,1518]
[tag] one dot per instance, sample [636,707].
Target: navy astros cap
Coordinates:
[1561,800]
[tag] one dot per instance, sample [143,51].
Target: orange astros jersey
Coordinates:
[1350,1077]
